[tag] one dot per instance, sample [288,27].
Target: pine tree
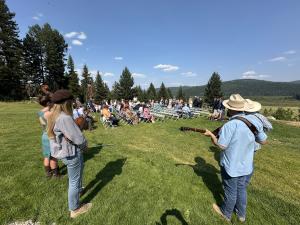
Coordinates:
[126,83]
[180,93]
[11,76]
[100,89]
[73,84]
[138,92]
[170,95]
[55,49]
[151,92]
[85,82]
[144,97]
[162,93]
[107,91]
[213,88]
[33,56]
[116,91]
[44,57]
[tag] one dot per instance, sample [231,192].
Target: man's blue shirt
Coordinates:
[239,146]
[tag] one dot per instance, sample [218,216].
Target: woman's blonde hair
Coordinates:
[56,110]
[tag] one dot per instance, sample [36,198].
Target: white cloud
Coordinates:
[106,81]
[38,16]
[189,74]
[74,34]
[290,52]
[118,58]
[82,36]
[69,47]
[79,71]
[277,59]
[138,75]
[251,74]
[71,34]
[93,73]
[166,67]
[76,42]
[108,74]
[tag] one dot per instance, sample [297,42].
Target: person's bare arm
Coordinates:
[213,139]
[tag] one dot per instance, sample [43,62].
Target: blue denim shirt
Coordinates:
[239,146]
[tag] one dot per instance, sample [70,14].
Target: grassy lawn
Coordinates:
[148,174]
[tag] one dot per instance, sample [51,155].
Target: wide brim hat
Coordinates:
[61,96]
[252,106]
[235,102]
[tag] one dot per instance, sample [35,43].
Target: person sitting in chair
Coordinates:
[108,116]
[146,114]
[186,110]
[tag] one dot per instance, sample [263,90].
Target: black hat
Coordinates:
[61,95]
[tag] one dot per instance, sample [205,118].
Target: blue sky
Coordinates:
[175,41]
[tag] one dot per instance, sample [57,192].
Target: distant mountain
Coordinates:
[248,87]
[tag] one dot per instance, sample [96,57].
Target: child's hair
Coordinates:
[44,100]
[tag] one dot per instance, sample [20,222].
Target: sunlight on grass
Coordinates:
[146,174]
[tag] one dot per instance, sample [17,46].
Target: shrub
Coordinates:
[283,114]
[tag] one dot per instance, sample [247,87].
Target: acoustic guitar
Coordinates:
[200,130]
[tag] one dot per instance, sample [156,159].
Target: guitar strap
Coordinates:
[249,124]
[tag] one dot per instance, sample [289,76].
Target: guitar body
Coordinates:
[81,123]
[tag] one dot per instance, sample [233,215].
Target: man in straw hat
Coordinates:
[238,143]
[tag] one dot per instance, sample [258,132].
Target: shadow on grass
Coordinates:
[89,154]
[216,152]
[209,175]
[171,212]
[92,151]
[103,177]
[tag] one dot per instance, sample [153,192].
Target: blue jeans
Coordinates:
[235,194]
[75,170]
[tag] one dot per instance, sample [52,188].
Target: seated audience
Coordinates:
[186,110]
[146,115]
[108,116]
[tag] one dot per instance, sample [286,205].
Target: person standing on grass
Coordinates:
[50,163]
[67,143]
[238,143]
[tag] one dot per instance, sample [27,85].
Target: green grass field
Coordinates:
[143,175]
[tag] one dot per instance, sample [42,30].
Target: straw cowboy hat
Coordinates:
[252,106]
[236,102]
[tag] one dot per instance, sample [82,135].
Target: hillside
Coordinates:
[248,87]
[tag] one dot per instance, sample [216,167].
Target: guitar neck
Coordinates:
[200,130]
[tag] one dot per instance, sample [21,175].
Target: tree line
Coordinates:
[39,58]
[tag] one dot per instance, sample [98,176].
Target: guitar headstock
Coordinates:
[184,128]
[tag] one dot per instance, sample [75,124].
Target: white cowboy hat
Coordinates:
[235,102]
[252,106]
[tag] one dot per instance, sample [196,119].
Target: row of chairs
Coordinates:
[161,114]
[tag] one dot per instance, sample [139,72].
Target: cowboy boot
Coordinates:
[48,171]
[56,173]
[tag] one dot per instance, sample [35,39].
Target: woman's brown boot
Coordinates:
[48,171]
[56,173]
